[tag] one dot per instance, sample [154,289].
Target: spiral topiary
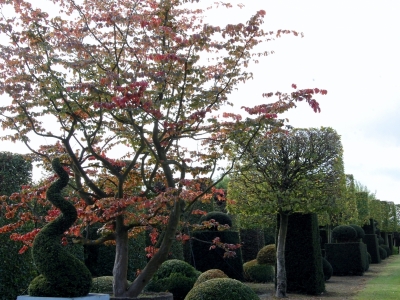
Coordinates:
[222,288]
[175,276]
[327,269]
[254,272]
[220,217]
[344,234]
[61,274]
[267,255]
[359,230]
[210,274]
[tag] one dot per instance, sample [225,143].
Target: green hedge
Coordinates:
[16,270]
[371,241]
[100,259]
[252,241]
[205,259]
[347,258]
[303,255]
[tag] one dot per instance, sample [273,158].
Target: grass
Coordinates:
[385,285]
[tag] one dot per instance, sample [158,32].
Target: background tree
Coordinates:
[122,94]
[300,170]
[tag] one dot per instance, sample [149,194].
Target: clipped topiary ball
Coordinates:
[175,276]
[103,285]
[359,230]
[327,269]
[382,252]
[387,249]
[220,217]
[222,288]
[267,255]
[344,234]
[210,274]
[255,272]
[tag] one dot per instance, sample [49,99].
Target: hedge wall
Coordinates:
[252,241]
[347,258]
[371,241]
[204,259]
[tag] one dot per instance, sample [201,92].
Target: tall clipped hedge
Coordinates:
[347,258]
[252,241]
[15,170]
[204,259]
[16,270]
[303,257]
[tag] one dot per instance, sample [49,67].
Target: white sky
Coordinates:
[351,49]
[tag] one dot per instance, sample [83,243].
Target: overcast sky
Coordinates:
[350,48]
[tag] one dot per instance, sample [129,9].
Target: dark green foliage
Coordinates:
[344,234]
[370,228]
[255,272]
[103,285]
[371,241]
[100,258]
[381,241]
[359,230]
[267,255]
[174,276]
[16,270]
[387,249]
[220,217]
[15,170]
[61,274]
[347,258]
[303,257]
[210,274]
[327,269]
[205,259]
[323,233]
[382,252]
[252,241]
[222,288]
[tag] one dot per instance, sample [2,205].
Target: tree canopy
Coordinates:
[129,95]
[297,170]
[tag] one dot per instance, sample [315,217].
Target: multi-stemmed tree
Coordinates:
[126,94]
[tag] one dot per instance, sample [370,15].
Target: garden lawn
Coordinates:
[384,286]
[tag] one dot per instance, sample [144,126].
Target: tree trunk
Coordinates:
[280,257]
[152,266]
[120,270]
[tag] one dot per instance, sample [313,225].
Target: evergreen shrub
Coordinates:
[327,269]
[347,258]
[175,276]
[222,288]
[210,274]
[303,256]
[254,272]
[359,230]
[344,233]
[252,241]
[382,252]
[205,258]
[371,241]
[267,255]
[220,217]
